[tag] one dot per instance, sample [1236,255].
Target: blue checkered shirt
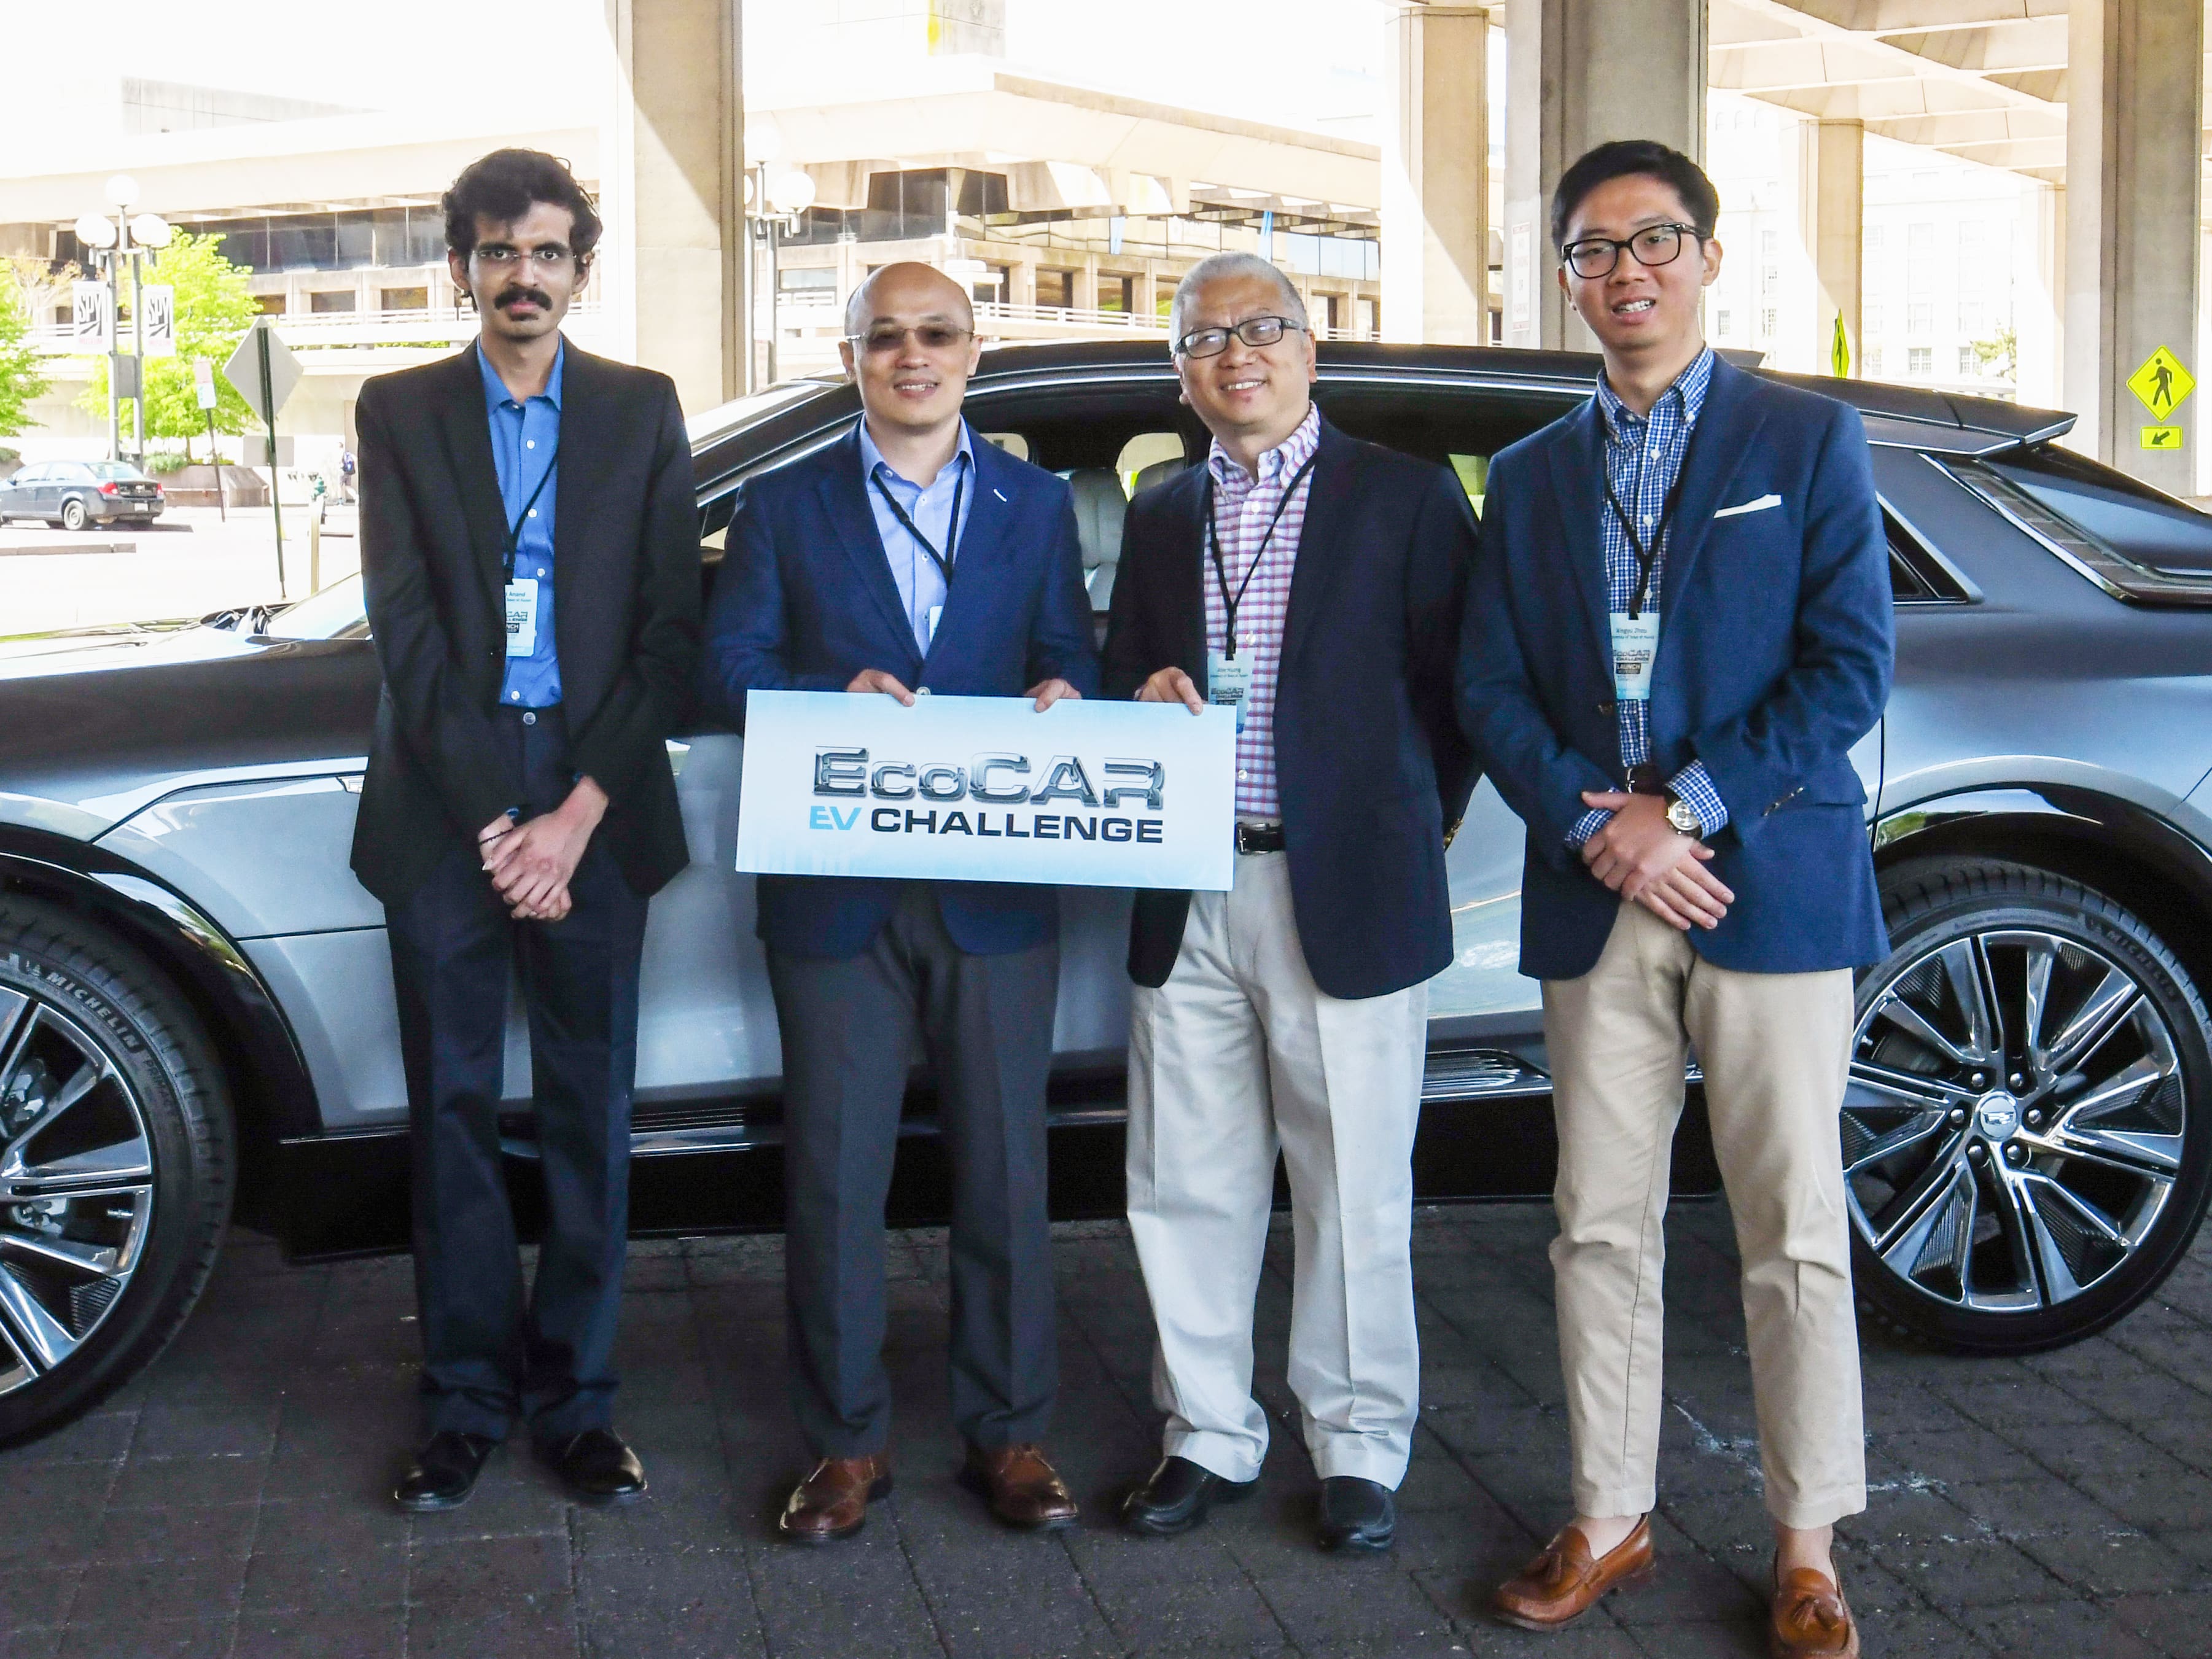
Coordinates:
[1642,457]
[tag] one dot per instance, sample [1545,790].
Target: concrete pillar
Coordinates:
[2134,109]
[1578,73]
[1436,174]
[1832,199]
[2038,297]
[672,194]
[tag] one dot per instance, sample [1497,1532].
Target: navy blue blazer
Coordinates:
[1776,641]
[1369,759]
[805,600]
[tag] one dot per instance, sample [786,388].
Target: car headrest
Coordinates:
[1158,472]
[1100,507]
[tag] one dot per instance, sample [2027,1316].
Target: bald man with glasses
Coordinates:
[911,557]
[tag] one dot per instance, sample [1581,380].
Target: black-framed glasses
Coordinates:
[1654,245]
[931,337]
[498,256]
[1253,330]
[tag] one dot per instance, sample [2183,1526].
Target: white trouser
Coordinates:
[1776,1049]
[1237,1054]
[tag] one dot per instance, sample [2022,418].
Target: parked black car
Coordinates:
[71,495]
[196,1007]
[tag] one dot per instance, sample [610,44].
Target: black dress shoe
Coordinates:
[597,1466]
[444,1473]
[1176,1496]
[1356,1516]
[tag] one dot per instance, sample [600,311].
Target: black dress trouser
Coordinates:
[488,1353]
[848,1028]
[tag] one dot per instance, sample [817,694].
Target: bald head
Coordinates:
[910,292]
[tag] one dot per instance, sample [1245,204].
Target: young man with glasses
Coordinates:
[530,554]
[909,558]
[1313,583]
[1680,626]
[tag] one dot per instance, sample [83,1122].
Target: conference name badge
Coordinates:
[1635,644]
[1088,794]
[1229,682]
[522,616]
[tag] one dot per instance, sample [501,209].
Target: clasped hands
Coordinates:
[1648,861]
[531,863]
[1047,692]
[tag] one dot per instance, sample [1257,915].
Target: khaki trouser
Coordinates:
[1240,1052]
[1776,1050]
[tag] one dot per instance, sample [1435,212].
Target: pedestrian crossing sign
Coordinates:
[2162,383]
[1839,352]
[2162,437]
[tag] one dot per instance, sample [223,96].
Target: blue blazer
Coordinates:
[805,600]
[1369,760]
[1775,639]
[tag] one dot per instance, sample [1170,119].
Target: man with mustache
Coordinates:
[1312,583]
[910,557]
[530,554]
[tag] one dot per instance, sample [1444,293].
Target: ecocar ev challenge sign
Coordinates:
[1088,794]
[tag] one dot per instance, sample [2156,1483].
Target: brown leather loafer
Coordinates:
[833,1501]
[1022,1488]
[1565,1582]
[1811,1620]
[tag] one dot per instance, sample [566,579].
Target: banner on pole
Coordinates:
[1086,794]
[159,303]
[92,318]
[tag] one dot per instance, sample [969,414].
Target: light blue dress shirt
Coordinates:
[525,441]
[921,587]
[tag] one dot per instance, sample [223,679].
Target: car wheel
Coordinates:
[74,517]
[117,1165]
[2027,1128]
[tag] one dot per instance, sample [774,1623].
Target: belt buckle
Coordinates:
[1259,837]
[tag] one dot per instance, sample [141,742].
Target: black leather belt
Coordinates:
[1259,837]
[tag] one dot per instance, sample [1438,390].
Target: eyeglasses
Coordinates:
[1654,245]
[931,337]
[1253,330]
[498,256]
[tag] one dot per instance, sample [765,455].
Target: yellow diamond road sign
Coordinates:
[1839,352]
[2162,383]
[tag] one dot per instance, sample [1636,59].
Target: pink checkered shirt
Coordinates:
[1243,505]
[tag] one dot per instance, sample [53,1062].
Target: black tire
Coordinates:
[72,994]
[2022,1209]
[74,516]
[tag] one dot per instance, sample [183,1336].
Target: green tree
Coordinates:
[215,307]
[2000,353]
[20,380]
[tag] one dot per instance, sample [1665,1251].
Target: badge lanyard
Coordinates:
[944,561]
[515,530]
[1230,602]
[1648,557]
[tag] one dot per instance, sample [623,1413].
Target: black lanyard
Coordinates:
[1230,602]
[1648,557]
[515,530]
[944,561]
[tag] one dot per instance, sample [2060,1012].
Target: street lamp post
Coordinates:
[776,199]
[125,237]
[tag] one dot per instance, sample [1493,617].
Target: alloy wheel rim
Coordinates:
[2014,1122]
[77,1187]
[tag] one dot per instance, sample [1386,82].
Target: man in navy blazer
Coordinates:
[1679,625]
[1314,583]
[910,558]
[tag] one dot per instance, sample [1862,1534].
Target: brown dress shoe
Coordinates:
[1563,1582]
[833,1501]
[1022,1488]
[1811,1620]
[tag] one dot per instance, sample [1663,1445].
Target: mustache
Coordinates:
[536,296]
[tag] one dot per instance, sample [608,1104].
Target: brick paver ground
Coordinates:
[231,1503]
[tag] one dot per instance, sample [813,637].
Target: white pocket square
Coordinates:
[1759,506]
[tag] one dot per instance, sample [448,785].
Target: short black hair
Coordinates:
[1623,158]
[503,185]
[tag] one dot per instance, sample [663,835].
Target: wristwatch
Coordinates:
[1684,817]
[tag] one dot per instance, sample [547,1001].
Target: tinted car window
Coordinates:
[2135,543]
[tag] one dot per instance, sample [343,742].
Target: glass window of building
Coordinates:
[1920,359]
[1920,316]
[404,298]
[330,301]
